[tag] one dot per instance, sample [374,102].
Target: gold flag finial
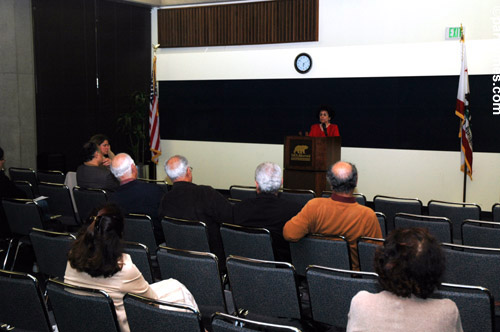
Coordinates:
[155,47]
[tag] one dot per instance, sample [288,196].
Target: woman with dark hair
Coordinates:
[410,266]
[324,128]
[96,260]
[102,141]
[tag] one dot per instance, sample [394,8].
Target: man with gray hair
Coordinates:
[134,196]
[187,200]
[339,214]
[267,209]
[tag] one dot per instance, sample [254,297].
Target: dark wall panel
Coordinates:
[391,113]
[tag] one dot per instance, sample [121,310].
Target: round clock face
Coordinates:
[303,63]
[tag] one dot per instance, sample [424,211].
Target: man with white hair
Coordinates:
[135,196]
[187,200]
[267,209]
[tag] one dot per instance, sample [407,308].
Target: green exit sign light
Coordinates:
[453,33]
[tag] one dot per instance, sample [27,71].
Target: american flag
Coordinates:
[154,119]
[462,111]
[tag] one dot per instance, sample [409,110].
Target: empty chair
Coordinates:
[227,323]
[60,202]
[26,187]
[301,196]
[81,309]
[51,176]
[439,227]
[475,266]
[382,220]
[22,215]
[268,290]
[199,272]
[242,192]
[139,254]
[51,251]
[185,234]
[139,228]
[481,233]
[495,210]
[360,198]
[22,306]
[389,206]
[25,174]
[331,291]
[331,251]
[456,212]
[87,200]
[366,252]
[247,242]
[475,304]
[149,315]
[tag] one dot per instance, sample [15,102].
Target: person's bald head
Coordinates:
[343,177]
[178,169]
[123,167]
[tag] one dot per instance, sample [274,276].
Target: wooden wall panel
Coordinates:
[281,21]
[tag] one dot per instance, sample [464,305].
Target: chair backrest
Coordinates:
[495,210]
[440,227]
[161,183]
[360,198]
[60,202]
[22,215]
[87,200]
[247,242]
[301,196]
[139,228]
[481,233]
[331,291]
[199,272]
[149,315]
[229,323]
[382,220]
[81,309]
[26,187]
[475,304]
[456,212]
[51,251]
[22,305]
[264,287]
[185,234]
[330,251]
[366,252]
[139,254]
[25,174]
[475,266]
[242,192]
[389,206]
[51,176]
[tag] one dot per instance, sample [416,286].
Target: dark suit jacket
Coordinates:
[271,212]
[141,197]
[96,177]
[187,200]
[7,190]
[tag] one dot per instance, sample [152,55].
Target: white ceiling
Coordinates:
[187,2]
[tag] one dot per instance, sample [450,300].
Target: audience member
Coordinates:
[267,209]
[410,266]
[102,142]
[338,215]
[92,174]
[187,200]
[97,260]
[134,196]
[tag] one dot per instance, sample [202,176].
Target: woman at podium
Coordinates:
[324,128]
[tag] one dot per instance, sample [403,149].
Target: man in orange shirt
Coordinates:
[339,214]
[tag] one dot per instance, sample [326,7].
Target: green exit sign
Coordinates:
[453,33]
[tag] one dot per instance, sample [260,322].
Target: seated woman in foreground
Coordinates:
[97,260]
[410,266]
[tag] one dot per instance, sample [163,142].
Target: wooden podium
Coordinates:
[306,161]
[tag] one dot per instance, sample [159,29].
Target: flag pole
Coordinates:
[465,182]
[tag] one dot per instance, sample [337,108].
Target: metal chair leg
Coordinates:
[19,243]
[7,254]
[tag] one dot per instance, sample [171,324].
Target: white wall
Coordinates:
[361,38]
